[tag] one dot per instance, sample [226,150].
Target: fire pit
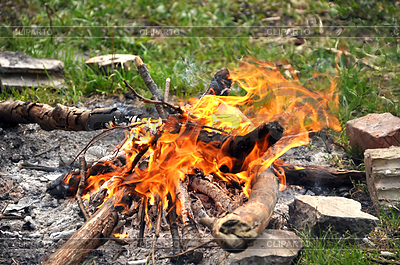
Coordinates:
[211,165]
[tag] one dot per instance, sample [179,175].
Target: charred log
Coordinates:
[239,147]
[311,175]
[220,84]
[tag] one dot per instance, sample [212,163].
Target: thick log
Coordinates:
[91,235]
[311,175]
[235,231]
[62,117]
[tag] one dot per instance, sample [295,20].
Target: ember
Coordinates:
[232,139]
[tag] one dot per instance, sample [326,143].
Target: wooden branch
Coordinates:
[166,90]
[171,218]
[235,231]
[155,102]
[81,187]
[2,216]
[310,175]
[61,117]
[91,235]
[183,197]
[142,221]
[212,191]
[144,73]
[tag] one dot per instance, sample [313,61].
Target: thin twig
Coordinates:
[144,150]
[46,151]
[16,262]
[4,209]
[188,250]
[49,13]
[81,187]
[9,216]
[166,91]
[140,261]
[12,217]
[171,217]
[101,136]
[156,102]
[381,261]
[27,165]
[55,13]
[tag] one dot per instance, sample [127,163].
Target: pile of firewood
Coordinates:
[233,219]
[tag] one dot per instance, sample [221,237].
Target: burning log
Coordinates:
[220,84]
[94,233]
[63,117]
[235,231]
[239,147]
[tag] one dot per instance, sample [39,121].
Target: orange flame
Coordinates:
[171,149]
[120,236]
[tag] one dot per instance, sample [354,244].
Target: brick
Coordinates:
[382,168]
[374,131]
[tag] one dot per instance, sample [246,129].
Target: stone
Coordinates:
[319,214]
[382,167]
[22,81]
[21,63]
[111,61]
[19,70]
[374,131]
[271,247]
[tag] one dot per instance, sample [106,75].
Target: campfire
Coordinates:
[213,162]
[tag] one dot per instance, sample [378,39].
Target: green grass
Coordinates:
[366,80]
[330,248]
